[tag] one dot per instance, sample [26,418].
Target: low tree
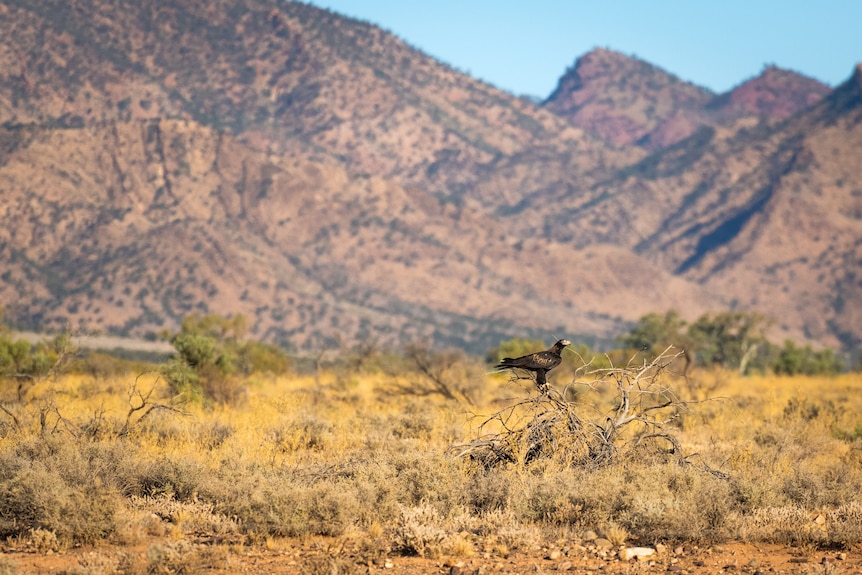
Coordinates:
[655,332]
[798,360]
[732,339]
[22,363]
[211,352]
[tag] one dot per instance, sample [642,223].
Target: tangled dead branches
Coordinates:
[636,420]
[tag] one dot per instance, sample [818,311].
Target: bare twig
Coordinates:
[439,371]
[140,402]
[11,415]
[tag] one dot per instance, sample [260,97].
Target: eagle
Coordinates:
[540,362]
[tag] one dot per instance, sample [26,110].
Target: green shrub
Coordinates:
[23,363]
[798,360]
[210,357]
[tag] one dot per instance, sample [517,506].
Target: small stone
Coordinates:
[754,564]
[841,556]
[798,560]
[388,565]
[730,566]
[553,555]
[660,548]
[590,535]
[674,568]
[638,553]
[679,550]
[564,566]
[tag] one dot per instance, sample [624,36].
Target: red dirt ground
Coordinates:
[330,557]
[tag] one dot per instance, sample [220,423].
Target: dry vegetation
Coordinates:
[361,464]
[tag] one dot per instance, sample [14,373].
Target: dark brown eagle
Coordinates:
[540,362]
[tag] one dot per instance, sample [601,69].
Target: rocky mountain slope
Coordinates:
[330,182]
[767,214]
[129,226]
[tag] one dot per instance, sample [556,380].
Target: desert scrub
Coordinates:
[47,484]
[307,456]
[280,504]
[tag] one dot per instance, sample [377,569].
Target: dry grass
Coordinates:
[360,461]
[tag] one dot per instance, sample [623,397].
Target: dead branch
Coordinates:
[140,401]
[581,433]
[48,409]
[437,369]
[11,416]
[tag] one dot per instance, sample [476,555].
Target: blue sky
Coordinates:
[525,46]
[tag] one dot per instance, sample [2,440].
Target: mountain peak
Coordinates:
[621,98]
[776,93]
[605,63]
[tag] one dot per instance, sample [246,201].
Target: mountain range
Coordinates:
[330,182]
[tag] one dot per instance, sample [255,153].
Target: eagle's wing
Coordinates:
[546,360]
[542,360]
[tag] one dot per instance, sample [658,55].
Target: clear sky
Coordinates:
[524,46]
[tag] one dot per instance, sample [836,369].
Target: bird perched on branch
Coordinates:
[540,362]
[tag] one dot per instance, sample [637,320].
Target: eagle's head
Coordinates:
[562,343]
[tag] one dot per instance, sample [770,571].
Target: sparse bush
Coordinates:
[211,357]
[174,477]
[450,373]
[279,506]
[419,532]
[488,490]
[53,488]
[93,563]
[259,357]
[22,363]
[185,557]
